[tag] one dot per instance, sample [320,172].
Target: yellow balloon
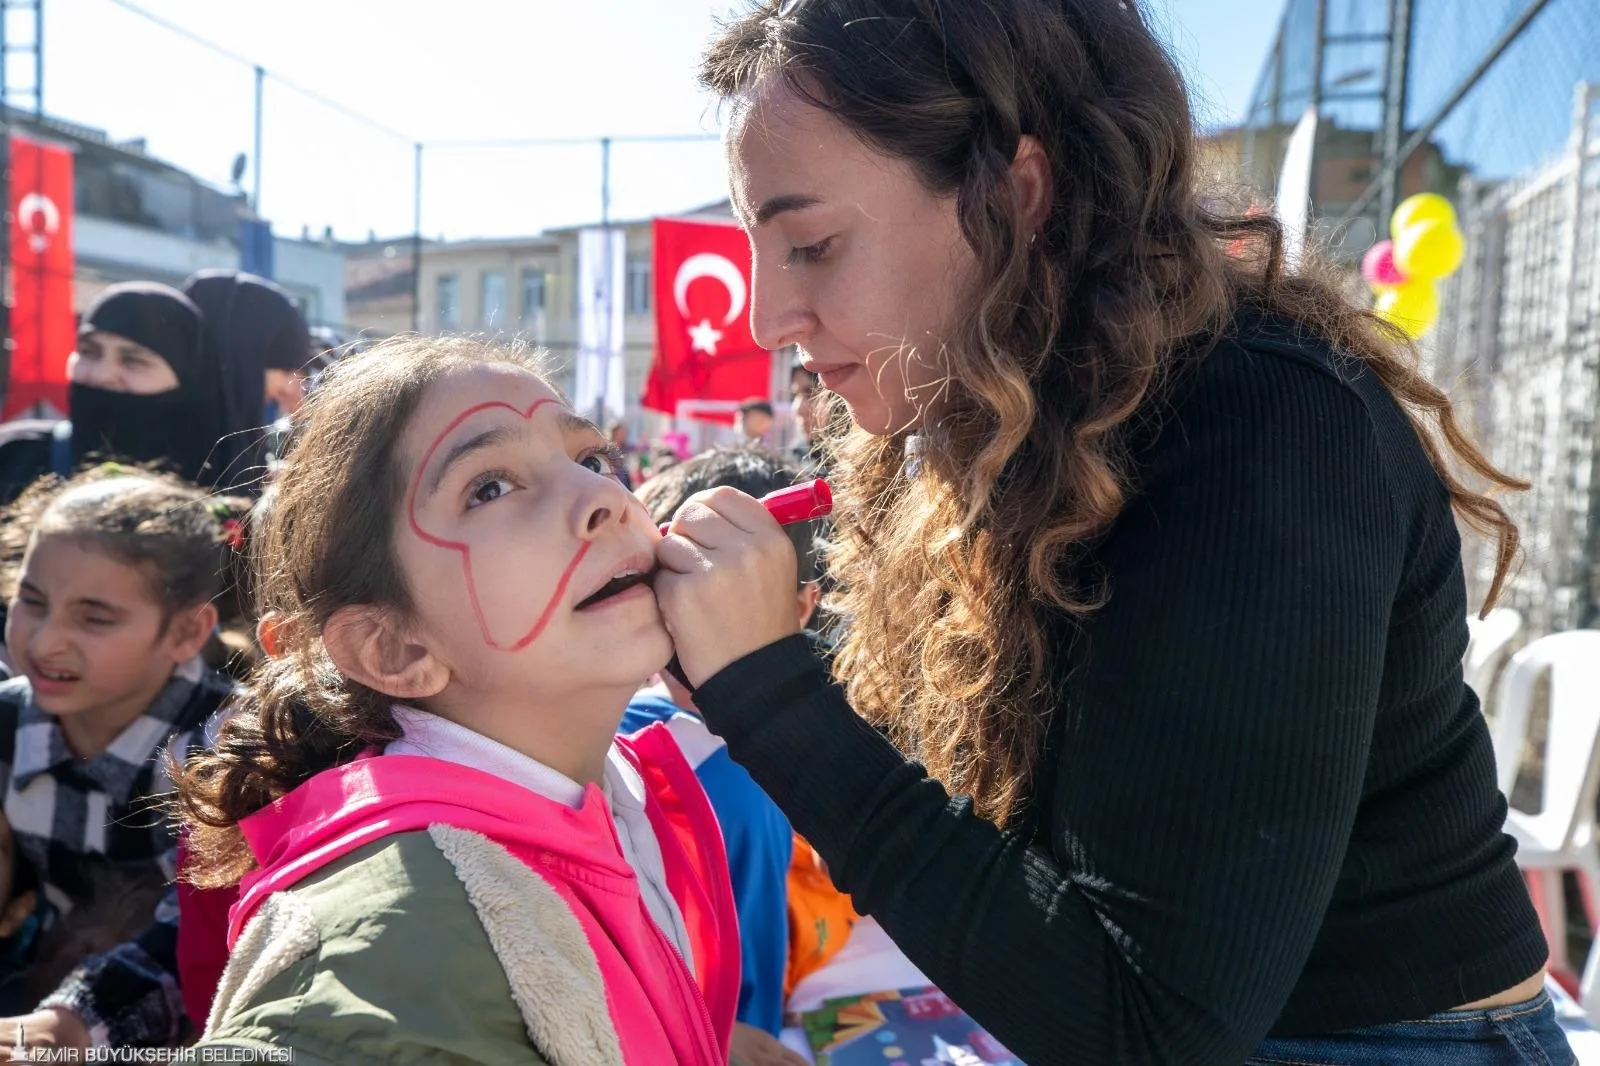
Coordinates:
[1414,306]
[1423,207]
[1429,250]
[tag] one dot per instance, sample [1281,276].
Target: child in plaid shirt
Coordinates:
[113,602]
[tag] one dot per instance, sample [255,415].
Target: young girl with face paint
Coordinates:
[443,854]
[114,599]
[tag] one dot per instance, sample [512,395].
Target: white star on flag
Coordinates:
[704,337]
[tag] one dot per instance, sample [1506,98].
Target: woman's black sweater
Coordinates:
[1269,801]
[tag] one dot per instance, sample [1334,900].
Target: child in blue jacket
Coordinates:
[758,838]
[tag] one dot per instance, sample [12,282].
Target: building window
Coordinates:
[449,301]
[492,311]
[532,295]
[638,287]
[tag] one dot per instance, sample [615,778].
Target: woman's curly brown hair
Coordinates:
[950,579]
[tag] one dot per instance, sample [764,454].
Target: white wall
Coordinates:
[314,274]
[137,253]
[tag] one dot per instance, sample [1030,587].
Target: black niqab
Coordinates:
[251,326]
[177,429]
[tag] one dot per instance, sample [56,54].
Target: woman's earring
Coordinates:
[1033,239]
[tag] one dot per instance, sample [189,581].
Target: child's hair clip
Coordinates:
[111,468]
[232,528]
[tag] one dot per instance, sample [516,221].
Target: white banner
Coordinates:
[1294,189]
[602,267]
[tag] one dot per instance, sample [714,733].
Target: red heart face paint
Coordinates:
[519,637]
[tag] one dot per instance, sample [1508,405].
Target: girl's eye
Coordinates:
[811,253]
[603,461]
[488,489]
[101,622]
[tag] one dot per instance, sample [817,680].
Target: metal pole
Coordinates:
[1467,84]
[1318,60]
[608,285]
[255,195]
[605,181]
[1394,107]
[1277,74]
[416,241]
[6,281]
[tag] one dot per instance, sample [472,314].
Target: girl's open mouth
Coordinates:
[623,582]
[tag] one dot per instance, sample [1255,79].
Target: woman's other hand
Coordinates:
[726,583]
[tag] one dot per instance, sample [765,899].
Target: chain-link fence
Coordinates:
[185,129]
[1520,340]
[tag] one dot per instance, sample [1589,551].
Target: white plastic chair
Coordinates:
[1562,836]
[1488,640]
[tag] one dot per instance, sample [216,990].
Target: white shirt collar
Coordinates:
[439,738]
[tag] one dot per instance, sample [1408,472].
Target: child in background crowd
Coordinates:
[757,835]
[444,853]
[112,603]
[753,421]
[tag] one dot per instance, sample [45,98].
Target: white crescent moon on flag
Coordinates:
[710,265]
[39,204]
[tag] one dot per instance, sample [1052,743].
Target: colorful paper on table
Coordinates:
[911,1027]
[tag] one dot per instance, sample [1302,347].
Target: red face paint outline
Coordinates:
[465,550]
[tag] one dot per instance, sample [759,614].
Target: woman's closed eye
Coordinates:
[811,253]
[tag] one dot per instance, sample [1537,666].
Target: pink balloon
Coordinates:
[1378,265]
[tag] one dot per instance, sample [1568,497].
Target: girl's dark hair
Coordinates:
[1057,354]
[325,542]
[185,542]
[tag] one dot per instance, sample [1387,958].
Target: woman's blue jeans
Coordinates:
[1522,1034]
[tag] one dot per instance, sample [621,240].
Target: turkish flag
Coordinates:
[43,326]
[704,350]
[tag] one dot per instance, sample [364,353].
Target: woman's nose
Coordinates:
[778,314]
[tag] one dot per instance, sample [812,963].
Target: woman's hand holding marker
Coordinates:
[726,579]
[804,502]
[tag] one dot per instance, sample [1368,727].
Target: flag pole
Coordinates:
[608,285]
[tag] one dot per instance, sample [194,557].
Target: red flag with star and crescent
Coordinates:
[704,350]
[43,326]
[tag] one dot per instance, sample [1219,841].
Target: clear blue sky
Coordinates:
[471,69]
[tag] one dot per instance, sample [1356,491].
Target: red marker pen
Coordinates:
[804,502]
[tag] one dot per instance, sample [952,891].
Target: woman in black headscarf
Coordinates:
[141,388]
[256,333]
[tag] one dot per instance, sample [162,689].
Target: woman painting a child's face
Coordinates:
[527,560]
[855,261]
